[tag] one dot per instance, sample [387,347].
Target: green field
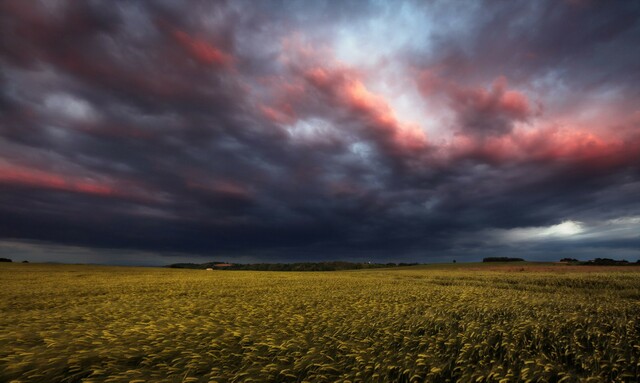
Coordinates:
[469,323]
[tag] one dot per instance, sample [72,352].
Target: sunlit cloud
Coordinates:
[564,230]
[608,230]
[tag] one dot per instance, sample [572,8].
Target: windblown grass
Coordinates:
[107,324]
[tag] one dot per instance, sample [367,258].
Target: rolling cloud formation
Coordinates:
[312,130]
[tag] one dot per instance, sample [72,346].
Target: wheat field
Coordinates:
[75,323]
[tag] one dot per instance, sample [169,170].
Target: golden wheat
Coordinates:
[109,324]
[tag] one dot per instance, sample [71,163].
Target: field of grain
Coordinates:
[63,323]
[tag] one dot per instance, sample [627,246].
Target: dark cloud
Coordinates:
[482,112]
[271,130]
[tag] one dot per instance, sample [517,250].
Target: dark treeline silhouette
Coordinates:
[608,262]
[502,259]
[5,260]
[600,262]
[300,266]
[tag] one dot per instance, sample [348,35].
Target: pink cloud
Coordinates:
[280,114]
[314,85]
[22,176]
[499,125]
[547,144]
[345,88]
[495,123]
[17,175]
[481,111]
[220,187]
[201,50]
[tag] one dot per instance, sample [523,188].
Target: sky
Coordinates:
[288,131]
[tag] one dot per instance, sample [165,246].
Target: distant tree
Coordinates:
[568,260]
[454,261]
[5,260]
[25,261]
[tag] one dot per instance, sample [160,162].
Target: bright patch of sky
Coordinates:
[310,130]
[378,46]
[564,230]
[618,228]
[70,107]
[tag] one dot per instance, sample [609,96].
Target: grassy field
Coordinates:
[466,323]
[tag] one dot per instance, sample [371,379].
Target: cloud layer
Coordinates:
[304,130]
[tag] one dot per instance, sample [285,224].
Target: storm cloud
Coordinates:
[311,130]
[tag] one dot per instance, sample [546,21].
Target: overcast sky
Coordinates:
[154,132]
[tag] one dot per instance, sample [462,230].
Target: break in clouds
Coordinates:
[142,132]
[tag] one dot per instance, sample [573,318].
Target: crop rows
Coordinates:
[102,324]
